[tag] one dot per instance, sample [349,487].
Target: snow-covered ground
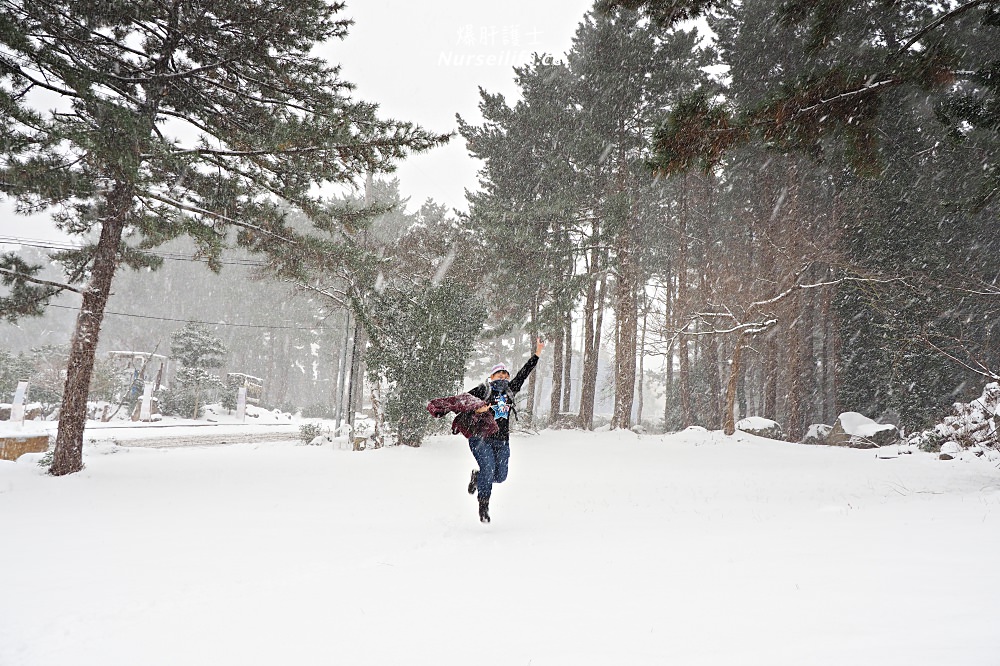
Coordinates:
[605,548]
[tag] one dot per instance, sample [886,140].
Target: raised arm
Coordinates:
[522,374]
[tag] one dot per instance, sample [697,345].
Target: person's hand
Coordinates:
[539,346]
[482,409]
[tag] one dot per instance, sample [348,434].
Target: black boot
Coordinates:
[473,481]
[484,510]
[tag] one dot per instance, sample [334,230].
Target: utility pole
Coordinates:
[342,372]
[355,394]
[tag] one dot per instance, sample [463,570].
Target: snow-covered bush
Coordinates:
[971,424]
[817,433]
[308,432]
[192,389]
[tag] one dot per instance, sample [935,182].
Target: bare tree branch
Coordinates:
[935,23]
[978,367]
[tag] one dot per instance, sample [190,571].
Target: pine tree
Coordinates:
[13,368]
[837,64]
[526,214]
[197,351]
[419,341]
[421,319]
[192,118]
[897,106]
[565,177]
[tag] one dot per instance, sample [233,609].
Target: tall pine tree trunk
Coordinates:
[567,362]
[356,377]
[770,378]
[362,369]
[593,319]
[598,333]
[641,380]
[684,361]
[684,379]
[827,378]
[626,313]
[589,307]
[533,392]
[735,372]
[831,327]
[68,455]
[588,392]
[555,399]
[712,367]
[669,392]
[811,393]
[796,356]
[716,397]
[741,391]
[626,303]
[342,370]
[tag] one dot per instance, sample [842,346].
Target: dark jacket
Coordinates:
[503,403]
[467,422]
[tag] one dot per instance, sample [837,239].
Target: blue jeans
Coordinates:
[492,456]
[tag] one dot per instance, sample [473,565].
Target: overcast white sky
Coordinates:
[424,62]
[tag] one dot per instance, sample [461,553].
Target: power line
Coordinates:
[172,256]
[57,245]
[207,323]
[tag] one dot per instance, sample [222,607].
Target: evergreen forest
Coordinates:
[707,209]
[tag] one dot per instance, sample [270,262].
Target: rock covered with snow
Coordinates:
[950,450]
[860,432]
[817,433]
[971,426]
[757,425]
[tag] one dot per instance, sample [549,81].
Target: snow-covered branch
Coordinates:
[847,95]
[48,283]
[748,328]
[326,293]
[212,214]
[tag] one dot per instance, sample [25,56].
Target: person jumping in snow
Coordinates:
[493,453]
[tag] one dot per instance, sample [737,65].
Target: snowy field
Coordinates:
[605,549]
